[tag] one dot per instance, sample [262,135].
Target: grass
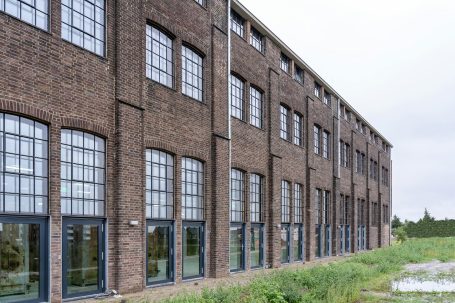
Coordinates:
[340,282]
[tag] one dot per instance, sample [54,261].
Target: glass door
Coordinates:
[297,242]
[23,259]
[83,257]
[257,246]
[236,247]
[193,250]
[285,251]
[160,252]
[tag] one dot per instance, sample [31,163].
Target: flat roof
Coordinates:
[245,13]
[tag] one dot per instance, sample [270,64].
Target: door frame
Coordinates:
[171,252]
[43,292]
[201,226]
[101,255]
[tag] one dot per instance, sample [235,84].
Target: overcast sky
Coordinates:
[394,61]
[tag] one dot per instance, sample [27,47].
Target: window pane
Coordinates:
[237,98]
[160,59]
[32,12]
[192,189]
[192,74]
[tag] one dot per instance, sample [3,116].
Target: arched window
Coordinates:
[83,169]
[192,189]
[23,165]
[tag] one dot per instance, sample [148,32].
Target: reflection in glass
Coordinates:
[236,248]
[284,245]
[255,252]
[82,259]
[192,244]
[158,254]
[297,244]
[19,262]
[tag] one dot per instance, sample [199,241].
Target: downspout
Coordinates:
[229,113]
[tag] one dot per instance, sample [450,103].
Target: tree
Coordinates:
[396,222]
[427,218]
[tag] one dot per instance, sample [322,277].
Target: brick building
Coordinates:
[147,143]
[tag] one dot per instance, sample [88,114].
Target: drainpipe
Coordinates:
[229,111]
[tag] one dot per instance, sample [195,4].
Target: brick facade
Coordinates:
[50,80]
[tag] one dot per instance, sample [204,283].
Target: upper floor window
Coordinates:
[192,74]
[317,89]
[257,40]
[201,2]
[159,185]
[285,63]
[237,195]
[83,23]
[237,98]
[160,56]
[385,176]
[374,213]
[285,201]
[298,74]
[348,116]
[328,99]
[360,163]
[298,203]
[192,189]
[318,206]
[284,123]
[237,24]
[83,170]
[23,165]
[298,129]
[256,105]
[345,157]
[326,144]
[35,12]
[256,197]
[386,214]
[317,139]
[342,112]
[345,208]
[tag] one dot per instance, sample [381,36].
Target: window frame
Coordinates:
[201,174]
[190,72]
[298,203]
[317,139]
[285,127]
[325,144]
[285,63]
[299,74]
[257,40]
[237,85]
[237,24]
[256,197]
[285,201]
[34,10]
[317,89]
[149,66]
[237,177]
[298,129]
[256,121]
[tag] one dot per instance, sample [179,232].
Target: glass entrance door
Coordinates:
[257,246]
[236,247]
[285,245]
[83,257]
[160,257]
[23,260]
[193,250]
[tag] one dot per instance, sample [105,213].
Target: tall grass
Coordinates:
[339,282]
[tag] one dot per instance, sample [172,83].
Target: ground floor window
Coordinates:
[257,246]
[285,245]
[23,259]
[236,247]
[297,242]
[83,257]
[193,250]
[160,249]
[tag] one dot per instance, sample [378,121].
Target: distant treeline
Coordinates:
[429,229]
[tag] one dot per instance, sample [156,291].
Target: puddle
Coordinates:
[420,285]
[427,277]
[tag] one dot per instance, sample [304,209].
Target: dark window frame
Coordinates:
[166,75]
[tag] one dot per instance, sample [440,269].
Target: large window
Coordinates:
[298,203]
[298,129]
[23,165]
[82,173]
[83,23]
[159,185]
[237,195]
[285,63]
[326,144]
[192,74]
[256,197]
[256,105]
[325,207]
[317,139]
[33,12]
[298,74]
[284,123]
[192,189]
[257,40]
[237,24]
[159,56]
[285,201]
[237,98]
